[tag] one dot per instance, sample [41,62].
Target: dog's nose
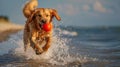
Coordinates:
[43,21]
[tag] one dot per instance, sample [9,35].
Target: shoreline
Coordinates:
[6,29]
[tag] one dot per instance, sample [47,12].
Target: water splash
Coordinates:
[58,54]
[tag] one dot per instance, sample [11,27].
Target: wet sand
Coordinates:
[6,29]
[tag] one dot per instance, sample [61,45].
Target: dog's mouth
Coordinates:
[39,23]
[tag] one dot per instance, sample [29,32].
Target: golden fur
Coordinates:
[34,35]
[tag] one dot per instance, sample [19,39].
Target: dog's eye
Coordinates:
[40,15]
[47,15]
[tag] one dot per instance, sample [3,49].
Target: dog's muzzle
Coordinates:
[43,21]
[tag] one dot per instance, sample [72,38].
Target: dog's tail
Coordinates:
[29,7]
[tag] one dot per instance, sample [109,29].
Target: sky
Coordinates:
[72,12]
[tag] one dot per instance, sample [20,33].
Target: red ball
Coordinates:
[47,27]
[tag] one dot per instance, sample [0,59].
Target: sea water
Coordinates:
[71,47]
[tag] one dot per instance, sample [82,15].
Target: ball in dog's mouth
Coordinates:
[47,27]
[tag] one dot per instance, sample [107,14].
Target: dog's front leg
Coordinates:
[35,45]
[47,45]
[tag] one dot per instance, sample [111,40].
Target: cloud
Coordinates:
[99,7]
[95,5]
[68,9]
[86,8]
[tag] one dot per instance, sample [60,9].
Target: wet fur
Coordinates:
[34,35]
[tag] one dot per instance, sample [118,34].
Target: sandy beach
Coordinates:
[8,28]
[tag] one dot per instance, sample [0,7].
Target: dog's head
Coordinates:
[44,15]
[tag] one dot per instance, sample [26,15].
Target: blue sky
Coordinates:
[72,12]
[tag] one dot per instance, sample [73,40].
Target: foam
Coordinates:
[66,32]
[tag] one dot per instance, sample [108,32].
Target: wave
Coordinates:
[66,32]
[60,52]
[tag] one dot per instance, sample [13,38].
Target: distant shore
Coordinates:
[8,28]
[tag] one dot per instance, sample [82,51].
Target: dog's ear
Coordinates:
[32,16]
[54,13]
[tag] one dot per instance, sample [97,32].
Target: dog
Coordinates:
[34,35]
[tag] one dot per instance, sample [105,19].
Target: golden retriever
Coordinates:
[34,35]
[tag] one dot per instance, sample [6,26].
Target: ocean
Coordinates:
[71,46]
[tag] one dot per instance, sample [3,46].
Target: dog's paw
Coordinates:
[38,52]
